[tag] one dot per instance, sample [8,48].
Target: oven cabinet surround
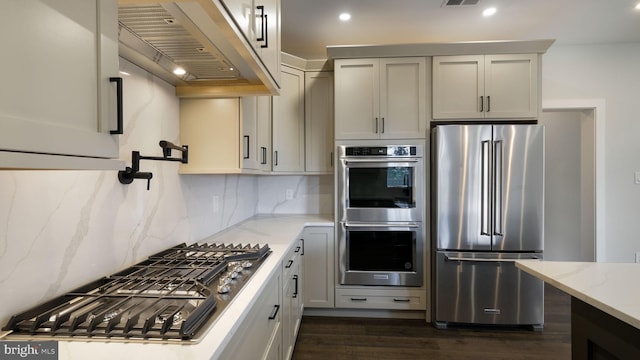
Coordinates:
[503,86]
[381,98]
[257,298]
[605,316]
[63,45]
[319,267]
[354,297]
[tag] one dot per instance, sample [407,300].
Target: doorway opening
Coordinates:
[574,134]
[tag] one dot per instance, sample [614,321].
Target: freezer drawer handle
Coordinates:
[492,311]
[352,225]
[452,258]
[391,162]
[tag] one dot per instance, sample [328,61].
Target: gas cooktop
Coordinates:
[174,295]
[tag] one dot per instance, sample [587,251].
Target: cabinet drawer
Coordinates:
[380,299]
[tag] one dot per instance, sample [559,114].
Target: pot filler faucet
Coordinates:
[129,174]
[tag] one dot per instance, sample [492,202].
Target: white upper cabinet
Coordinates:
[485,86]
[256,133]
[57,98]
[318,97]
[380,98]
[288,123]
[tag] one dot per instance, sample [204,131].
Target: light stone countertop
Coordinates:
[279,231]
[610,287]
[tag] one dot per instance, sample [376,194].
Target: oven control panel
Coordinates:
[388,151]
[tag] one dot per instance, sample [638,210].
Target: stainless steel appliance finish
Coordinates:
[174,295]
[380,183]
[488,204]
[386,254]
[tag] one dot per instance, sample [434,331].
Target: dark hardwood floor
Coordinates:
[398,339]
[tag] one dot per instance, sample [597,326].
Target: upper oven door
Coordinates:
[380,189]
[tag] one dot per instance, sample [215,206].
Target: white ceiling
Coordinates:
[308,26]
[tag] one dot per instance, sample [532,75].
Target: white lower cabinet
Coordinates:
[292,298]
[319,266]
[388,299]
[260,335]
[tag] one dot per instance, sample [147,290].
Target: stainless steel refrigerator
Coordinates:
[488,211]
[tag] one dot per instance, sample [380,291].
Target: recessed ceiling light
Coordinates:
[179,71]
[345,17]
[489,11]
[638,6]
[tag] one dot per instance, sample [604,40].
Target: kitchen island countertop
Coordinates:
[609,287]
[279,231]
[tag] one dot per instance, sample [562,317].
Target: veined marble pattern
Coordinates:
[62,229]
[311,194]
[610,287]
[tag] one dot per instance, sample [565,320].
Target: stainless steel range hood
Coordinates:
[199,36]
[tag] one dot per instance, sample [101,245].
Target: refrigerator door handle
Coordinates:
[485,195]
[454,258]
[498,149]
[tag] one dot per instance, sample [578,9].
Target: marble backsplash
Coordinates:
[62,229]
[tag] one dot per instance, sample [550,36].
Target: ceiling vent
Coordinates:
[459,2]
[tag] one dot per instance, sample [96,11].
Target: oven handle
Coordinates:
[363,225]
[383,161]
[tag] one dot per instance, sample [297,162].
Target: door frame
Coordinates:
[597,106]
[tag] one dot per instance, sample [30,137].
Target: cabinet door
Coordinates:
[511,86]
[357,105]
[268,35]
[403,84]
[318,267]
[458,87]
[242,12]
[288,123]
[56,97]
[318,97]
[256,133]
[211,128]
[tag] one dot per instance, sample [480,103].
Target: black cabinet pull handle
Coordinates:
[358,299]
[289,264]
[266,34]
[275,312]
[295,288]
[275,156]
[481,103]
[118,81]
[297,250]
[302,242]
[261,16]
[401,300]
[488,103]
[246,147]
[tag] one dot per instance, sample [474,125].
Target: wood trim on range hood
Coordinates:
[222,44]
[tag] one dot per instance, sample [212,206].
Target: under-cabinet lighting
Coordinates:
[179,71]
[489,11]
[345,17]
[638,6]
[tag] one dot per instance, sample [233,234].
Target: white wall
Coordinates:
[610,72]
[62,229]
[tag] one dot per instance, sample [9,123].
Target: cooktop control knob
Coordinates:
[247,264]
[223,289]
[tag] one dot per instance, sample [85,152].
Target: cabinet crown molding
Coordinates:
[435,49]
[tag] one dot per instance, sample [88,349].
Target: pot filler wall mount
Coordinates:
[133,172]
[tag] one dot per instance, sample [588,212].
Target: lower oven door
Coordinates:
[384,254]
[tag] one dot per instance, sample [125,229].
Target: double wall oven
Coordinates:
[380,192]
